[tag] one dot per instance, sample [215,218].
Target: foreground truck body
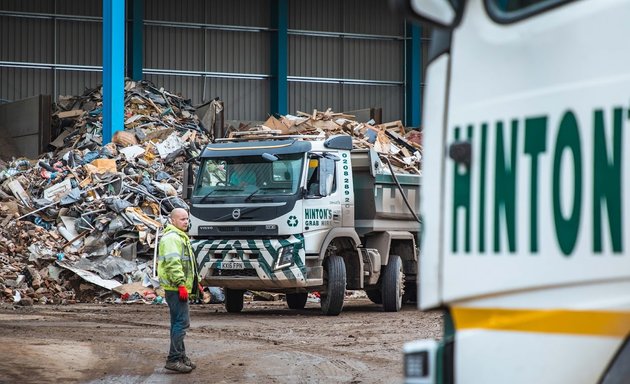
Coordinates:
[294,215]
[525,244]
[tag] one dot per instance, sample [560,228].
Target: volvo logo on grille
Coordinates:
[236,214]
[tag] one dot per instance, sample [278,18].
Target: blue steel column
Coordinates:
[279,57]
[113,67]
[135,39]
[413,90]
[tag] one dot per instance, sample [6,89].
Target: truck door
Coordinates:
[322,202]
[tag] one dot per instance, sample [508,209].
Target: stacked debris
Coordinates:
[82,220]
[402,148]
[88,212]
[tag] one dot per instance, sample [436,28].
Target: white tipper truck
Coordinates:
[294,214]
[526,116]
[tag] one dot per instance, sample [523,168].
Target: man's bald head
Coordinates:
[179,218]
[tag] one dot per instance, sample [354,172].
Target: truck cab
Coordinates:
[525,115]
[280,214]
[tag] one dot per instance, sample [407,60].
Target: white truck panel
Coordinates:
[432,196]
[540,76]
[533,258]
[492,357]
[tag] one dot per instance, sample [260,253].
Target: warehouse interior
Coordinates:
[111,108]
[259,57]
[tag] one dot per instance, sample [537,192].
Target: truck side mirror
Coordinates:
[441,13]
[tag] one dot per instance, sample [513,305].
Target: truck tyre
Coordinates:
[234,300]
[335,280]
[392,286]
[297,300]
[374,295]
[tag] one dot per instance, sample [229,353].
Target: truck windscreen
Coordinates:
[248,175]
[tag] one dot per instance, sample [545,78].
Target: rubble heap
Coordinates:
[402,148]
[82,220]
[90,210]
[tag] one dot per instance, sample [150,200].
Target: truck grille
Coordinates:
[248,272]
[247,255]
[237,228]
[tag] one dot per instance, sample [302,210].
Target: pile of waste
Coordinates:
[401,147]
[81,220]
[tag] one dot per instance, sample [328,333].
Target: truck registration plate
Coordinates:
[232,265]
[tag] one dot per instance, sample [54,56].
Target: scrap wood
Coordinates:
[268,296]
[132,288]
[395,126]
[69,114]
[389,139]
[276,125]
[400,140]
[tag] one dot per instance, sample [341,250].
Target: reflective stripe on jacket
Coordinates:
[176,261]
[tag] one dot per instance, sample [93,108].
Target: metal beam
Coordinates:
[279,57]
[413,84]
[135,48]
[113,67]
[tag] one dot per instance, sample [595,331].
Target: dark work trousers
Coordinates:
[180,322]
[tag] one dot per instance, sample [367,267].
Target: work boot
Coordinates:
[186,360]
[178,366]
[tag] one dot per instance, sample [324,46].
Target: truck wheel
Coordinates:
[335,280]
[374,295]
[234,300]
[392,286]
[297,300]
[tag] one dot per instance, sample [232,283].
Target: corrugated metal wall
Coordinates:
[49,47]
[342,54]
[346,55]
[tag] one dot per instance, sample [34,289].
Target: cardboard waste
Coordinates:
[81,222]
[395,144]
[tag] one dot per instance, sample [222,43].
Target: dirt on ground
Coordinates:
[266,343]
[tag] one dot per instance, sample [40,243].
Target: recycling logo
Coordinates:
[292,221]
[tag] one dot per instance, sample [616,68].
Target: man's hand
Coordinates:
[200,288]
[183,293]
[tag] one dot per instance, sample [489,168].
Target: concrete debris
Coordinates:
[81,220]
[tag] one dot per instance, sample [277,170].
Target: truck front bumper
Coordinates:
[255,264]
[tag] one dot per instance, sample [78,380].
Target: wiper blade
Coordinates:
[249,197]
[219,189]
[207,195]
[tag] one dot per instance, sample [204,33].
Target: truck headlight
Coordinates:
[285,257]
[420,361]
[416,364]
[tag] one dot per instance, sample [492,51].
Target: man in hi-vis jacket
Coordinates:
[177,271]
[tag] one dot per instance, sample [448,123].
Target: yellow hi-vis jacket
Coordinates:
[176,261]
